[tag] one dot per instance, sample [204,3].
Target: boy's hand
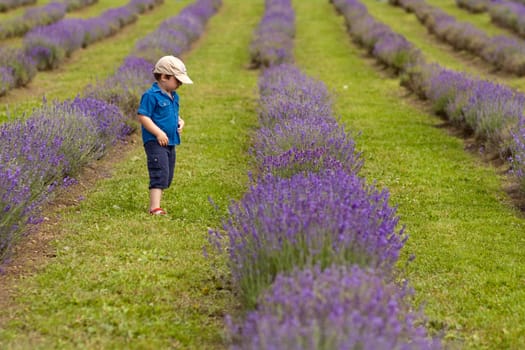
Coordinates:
[162,139]
[181,125]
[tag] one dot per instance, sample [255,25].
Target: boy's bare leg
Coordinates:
[155,194]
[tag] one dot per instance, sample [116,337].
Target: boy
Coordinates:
[158,114]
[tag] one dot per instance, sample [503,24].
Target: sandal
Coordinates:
[157,211]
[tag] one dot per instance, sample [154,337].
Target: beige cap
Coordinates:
[171,65]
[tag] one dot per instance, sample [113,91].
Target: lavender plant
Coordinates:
[474,6]
[17,68]
[340,307]
[390,48]
[7,79]
[6,5]
[40,151]
[487,109]
[508,14]
[287,93]
[298,131]
[503,52]
[298,144]
[273,39]
[124,88]
[49,45]
[308,219]
[36,16]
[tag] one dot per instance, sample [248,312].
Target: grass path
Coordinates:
[467,239]
[124,279]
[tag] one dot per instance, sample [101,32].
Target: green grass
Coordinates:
[467,238]
[124,279]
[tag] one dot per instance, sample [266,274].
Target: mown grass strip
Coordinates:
[124,279]
[465,234]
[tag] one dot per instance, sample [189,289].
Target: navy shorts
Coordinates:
[161,164]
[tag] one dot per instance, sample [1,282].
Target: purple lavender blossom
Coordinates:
[20,66]
[273,38]
[58,139]
[34,16]
[286,93]
[341,307]
[124,88]
[503,52]
[308,219]
[509,14]
[298,144]
[7,79]
[390,48]
[298,131]
[49,45]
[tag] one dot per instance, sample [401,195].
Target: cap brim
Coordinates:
[184,79]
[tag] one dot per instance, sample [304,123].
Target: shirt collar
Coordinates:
[156,88]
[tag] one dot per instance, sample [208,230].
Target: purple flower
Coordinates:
[305,220]
[340,307]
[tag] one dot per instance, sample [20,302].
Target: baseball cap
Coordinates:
[172,65]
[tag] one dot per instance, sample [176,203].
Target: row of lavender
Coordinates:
[51,145]
[6,5]
[40,16]
[492,112]
[508,14]
[45,47]
[501,51]
[311,245]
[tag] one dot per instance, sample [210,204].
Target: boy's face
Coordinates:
[169,82]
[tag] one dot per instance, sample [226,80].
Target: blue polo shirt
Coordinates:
[164,112]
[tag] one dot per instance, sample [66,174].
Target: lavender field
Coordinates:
[352,176]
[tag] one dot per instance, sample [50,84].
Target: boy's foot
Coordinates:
[157,211]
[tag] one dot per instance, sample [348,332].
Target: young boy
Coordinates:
[158,114]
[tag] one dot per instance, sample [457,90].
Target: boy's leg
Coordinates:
[155,195]
[159,173]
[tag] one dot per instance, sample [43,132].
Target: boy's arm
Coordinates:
[149,125]
[181,125]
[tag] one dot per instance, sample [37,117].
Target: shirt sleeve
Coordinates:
[147,105]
